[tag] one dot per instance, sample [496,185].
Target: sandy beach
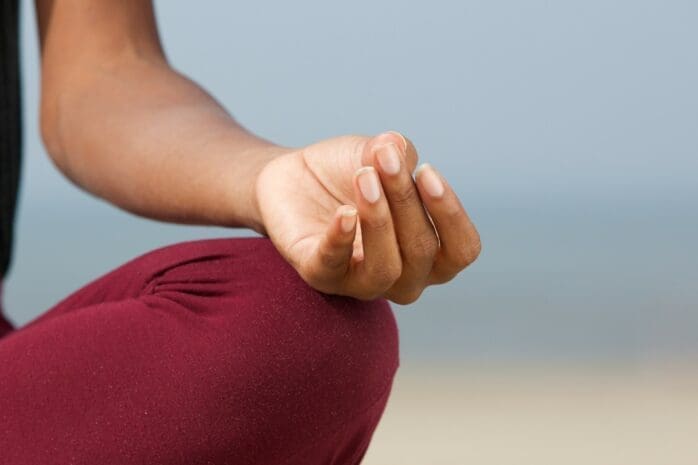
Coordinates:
[612,415]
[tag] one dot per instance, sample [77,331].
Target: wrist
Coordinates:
[243,205]
[265,156]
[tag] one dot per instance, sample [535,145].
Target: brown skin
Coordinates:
[120,123]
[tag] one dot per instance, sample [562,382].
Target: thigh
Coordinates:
[210,351]
[133,278]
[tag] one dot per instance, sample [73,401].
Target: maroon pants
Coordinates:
[211,351]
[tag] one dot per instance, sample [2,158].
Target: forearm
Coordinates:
[150,141]
[123,125]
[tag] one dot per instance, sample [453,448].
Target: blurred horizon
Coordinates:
[568,131]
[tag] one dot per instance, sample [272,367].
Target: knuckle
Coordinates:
[476,248]
[384,276]
[404,196]
[329,260]
[442,276]
[455,216]
[379,223]
[312,275]
[407,297]
[424,246]
[388,274]
[466,254]
[461,259]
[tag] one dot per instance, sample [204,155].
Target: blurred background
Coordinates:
[569,131]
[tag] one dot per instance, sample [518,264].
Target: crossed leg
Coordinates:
[211,351]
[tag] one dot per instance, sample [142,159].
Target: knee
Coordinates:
[351,341]
[302,364]
[281,364]
[338,347]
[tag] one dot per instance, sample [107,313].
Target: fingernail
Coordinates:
[426,175]
[389,158]
[404,141]
[348,219]
[368,183]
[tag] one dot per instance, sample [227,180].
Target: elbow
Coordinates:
[52,128]
[49,126]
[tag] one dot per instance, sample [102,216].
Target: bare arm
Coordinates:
[346,212]
[119,122]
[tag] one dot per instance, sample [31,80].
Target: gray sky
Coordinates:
[567,128]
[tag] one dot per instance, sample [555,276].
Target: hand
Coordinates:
[408,234]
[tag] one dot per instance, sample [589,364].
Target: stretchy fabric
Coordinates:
[10,128]
[211,351]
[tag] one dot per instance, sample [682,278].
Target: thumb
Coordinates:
[330,263]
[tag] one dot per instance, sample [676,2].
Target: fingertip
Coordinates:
[403,139]
[347,219]
[334,250]
[430,180]
[388,137]
[368,184]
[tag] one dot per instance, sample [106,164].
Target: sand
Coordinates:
[525,414]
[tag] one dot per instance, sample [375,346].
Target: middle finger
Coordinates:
[415,233]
